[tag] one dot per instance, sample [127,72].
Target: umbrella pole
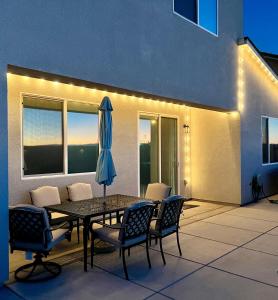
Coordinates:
[104,191]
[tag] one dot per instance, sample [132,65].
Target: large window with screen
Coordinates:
[58,137]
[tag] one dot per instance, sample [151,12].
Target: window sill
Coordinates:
[196,24]
[270,164]
[50,176]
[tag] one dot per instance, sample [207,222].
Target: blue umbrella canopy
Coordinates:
[105,171]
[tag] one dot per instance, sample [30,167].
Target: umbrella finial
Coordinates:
[106,104]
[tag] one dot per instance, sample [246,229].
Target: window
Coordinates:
[201,12]
[45,123]
[269,140]
[82,138]
[42,136]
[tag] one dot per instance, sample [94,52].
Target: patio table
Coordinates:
[95,207]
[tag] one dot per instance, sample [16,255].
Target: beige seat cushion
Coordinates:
[56,215]
[45,196]
[157,191]
[80,191]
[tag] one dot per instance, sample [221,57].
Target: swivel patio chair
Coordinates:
[30,231]
[167,221]
[133,231]
[49,195]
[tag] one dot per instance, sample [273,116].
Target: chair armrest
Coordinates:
[120,226]
[156,219]
[59,226]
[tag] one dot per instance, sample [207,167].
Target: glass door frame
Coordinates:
[158,116]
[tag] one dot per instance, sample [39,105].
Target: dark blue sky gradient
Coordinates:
[261,24]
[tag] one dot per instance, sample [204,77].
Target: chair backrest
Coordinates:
[29,224]
[80,191]
[45,195]
[136,221]
[169,212]
[157,191]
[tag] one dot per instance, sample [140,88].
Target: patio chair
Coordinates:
[167,221]
[80,191]
[157,191]
[133,231]
[49,195]
[30,231]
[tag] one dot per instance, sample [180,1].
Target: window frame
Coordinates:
[198,18]
[64,102]
[269,163]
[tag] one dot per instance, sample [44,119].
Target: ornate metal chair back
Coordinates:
[169,212]
[29,225]
[136,221]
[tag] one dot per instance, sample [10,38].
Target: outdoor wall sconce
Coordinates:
[187,128]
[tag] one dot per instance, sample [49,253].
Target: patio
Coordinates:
[228,252]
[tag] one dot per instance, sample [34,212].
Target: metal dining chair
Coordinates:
[30,231]
[133,231]
[157,191]
[49,195]
[167,221]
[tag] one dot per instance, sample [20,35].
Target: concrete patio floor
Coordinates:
[228,253]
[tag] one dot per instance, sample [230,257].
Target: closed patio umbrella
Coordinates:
[105,171]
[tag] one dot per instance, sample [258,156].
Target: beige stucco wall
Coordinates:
[125,144]
[260,98]
[215,156]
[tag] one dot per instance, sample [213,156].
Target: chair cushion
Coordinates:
[80,191]
[157,191]
[164,232]
[45,195]
[111,236]
[58,236]
[107,234]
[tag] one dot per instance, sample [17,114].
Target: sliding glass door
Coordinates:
[169,162]
[149,155]
[158,151]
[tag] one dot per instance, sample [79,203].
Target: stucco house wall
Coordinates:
[260,99]
[138,45]
[125,137]
[215,156]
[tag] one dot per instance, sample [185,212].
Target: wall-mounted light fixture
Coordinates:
[187,128]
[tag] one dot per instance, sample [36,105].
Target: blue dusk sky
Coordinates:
[261,24]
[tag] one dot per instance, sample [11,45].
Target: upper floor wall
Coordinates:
[138,45]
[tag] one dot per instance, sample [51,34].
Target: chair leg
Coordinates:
[178,241]
[124,264]
[120,252]
[128,251]
[78,231]
[161,251]
[148,254]
[92,250]
[150,240]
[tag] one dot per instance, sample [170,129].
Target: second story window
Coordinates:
[204,13]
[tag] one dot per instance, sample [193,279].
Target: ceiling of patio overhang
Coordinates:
[103,87]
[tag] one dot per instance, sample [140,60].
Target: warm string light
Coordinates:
[187,148]
[142,100]
[241,82]
[262,64]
